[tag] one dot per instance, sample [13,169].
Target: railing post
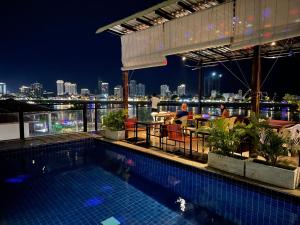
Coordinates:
[125,89]
[256,75]
[200,87]
[21,125]
[96,117]
[84,117]
[137,111]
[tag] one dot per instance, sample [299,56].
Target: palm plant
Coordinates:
[272,146]
[223,140]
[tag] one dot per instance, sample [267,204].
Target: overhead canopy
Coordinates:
[212,30]
[143,49]
[259,22]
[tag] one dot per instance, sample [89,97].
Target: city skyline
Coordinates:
[67,48]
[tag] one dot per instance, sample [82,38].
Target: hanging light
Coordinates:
[183,58]
[273,43]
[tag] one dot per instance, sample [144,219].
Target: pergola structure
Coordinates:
[209,32]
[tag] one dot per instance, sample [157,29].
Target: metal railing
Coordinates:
[74,116]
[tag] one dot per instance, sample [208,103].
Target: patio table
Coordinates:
[279,124]
[148,125]
[163,115]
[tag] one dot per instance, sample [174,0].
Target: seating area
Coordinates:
[189,139]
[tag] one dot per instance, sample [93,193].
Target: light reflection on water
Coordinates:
[144,111]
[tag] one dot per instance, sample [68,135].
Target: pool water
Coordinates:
[88,183]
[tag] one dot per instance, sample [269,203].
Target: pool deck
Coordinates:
[36,141]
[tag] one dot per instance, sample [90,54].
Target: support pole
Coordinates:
[200,87]
[96,117]
[21,125]
[125,89]
[84,117]
[256,76]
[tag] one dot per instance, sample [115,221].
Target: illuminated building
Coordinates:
[60,87]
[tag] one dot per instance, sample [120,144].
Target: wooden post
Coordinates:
[256,76]
[125,89]
[200,87]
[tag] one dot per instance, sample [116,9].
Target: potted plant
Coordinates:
[113,124]
[224,142]
[272,146]
[249,135]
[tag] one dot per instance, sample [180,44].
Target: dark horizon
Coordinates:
[51,40]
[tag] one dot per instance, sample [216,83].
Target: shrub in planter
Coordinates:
[113,124]
[271,147]
[224,143]
[249,135]
[222,140]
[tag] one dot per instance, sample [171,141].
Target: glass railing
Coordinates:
[9,126]
[65,119]
[45,123]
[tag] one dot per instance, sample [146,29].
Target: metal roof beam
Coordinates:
[144,22]
[136,15]
[186,7]
[114,32]
[164,14]
[128,27]
[219,53]
[205,56]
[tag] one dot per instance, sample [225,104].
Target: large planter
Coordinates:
[226,163]
[272,175]
[114,135]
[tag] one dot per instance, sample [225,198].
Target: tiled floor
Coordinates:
[87,195]
[42,140]
[198,147]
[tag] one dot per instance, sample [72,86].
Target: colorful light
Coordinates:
[93,202]
[17,180]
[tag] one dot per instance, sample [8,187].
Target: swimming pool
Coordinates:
[90,181]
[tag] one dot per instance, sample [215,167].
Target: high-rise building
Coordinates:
[118,91]
[181,90]
[104,89]
[84,91]
[140,90]
[164,90]
[2,88]
[73,89]
[132,88]
[60,87]
[25,90]
[68,88]
[37,90]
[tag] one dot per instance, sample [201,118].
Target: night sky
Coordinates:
[55,39]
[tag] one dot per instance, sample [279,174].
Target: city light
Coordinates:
[220,75]
[214,74]
[183,58]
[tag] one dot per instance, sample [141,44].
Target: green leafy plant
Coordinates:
[223,140]
[271,146]
[292,99]
[249,133]
[114,120]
